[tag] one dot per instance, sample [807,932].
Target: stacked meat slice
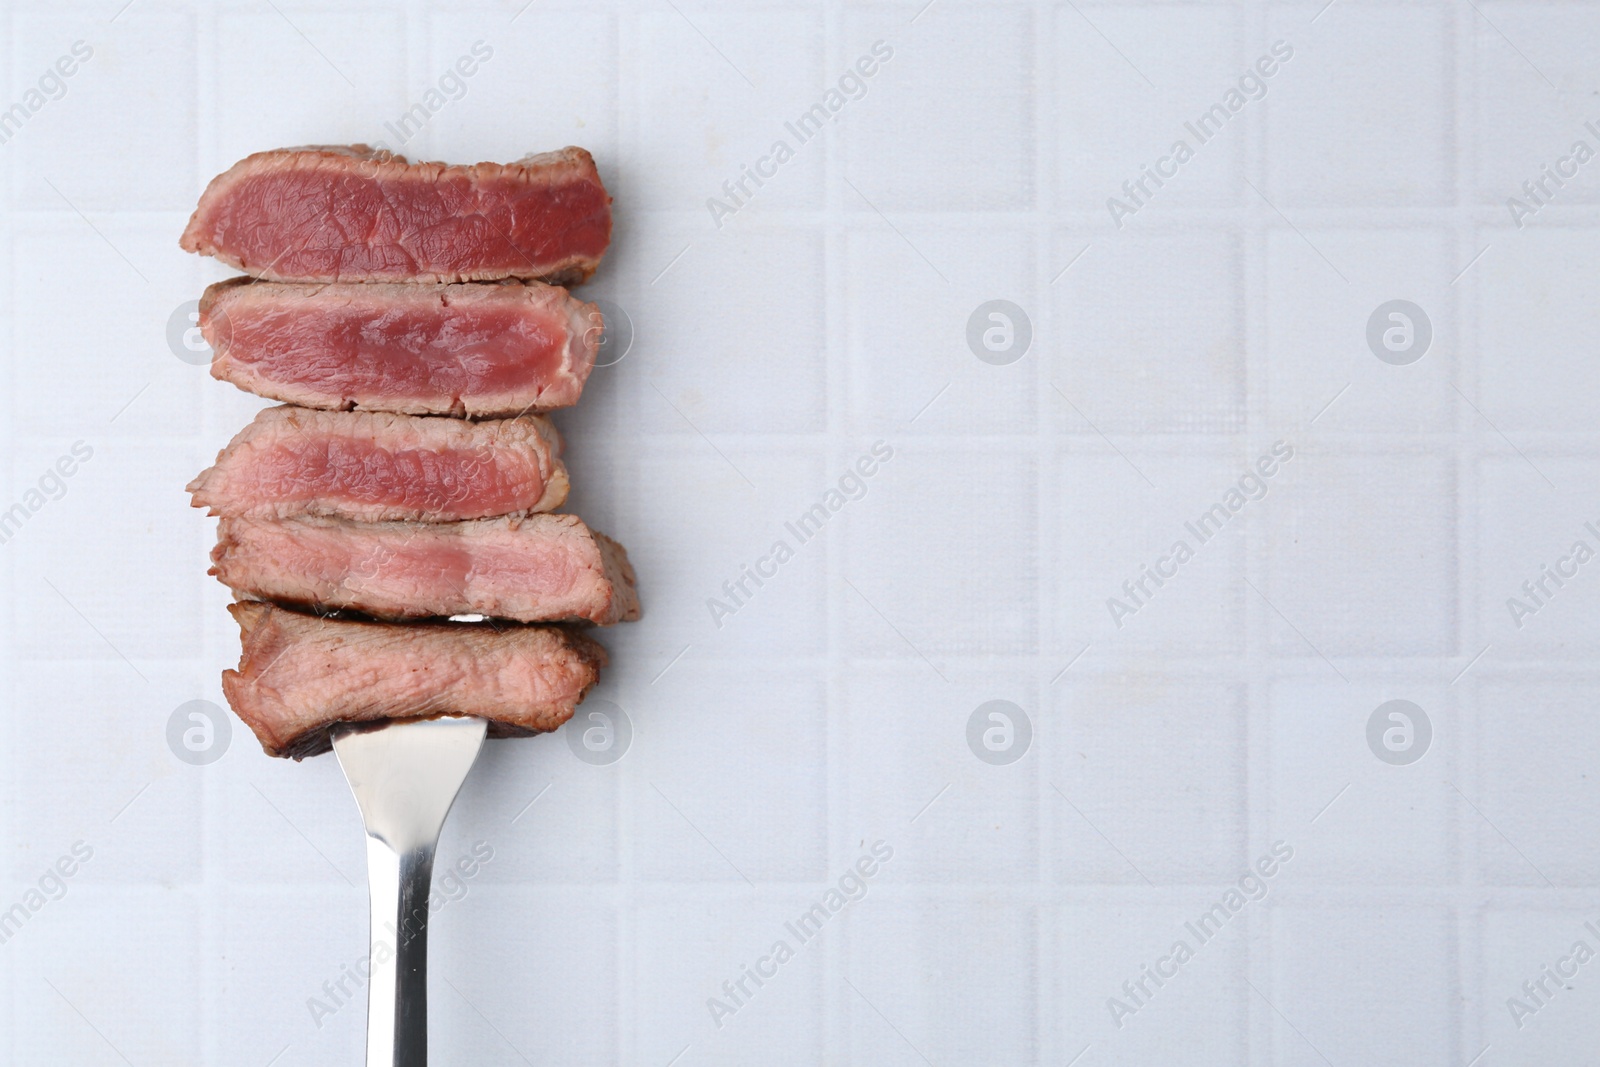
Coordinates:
[411,316]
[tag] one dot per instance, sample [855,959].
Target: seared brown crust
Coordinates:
[615,564]
[300,676]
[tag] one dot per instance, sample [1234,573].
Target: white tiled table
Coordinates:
[831,710]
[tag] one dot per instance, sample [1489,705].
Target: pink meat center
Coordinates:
[401,352]
[358,470]
[309,222]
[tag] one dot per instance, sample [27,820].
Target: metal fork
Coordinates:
[405,776]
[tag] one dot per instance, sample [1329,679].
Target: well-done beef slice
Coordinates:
[301,675]
[378,467]
[352,213]
[544,568]
[487,349]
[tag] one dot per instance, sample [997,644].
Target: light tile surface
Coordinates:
[982,517]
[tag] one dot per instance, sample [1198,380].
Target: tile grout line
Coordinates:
[213,834]
[1468,463]
[8,615]
[1051,723]
[627,924]
[839,396]
[1257,1033]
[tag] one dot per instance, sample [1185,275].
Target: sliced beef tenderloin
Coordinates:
[352,213]
[377,467]
[545,568]
[300,675]
[472,349]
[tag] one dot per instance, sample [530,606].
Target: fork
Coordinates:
[405,776]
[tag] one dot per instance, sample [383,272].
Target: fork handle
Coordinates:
[397,995]
[405,777]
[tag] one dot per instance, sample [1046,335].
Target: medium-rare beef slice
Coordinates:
[544,568]
[486,349]
[300,675]
[351,213]
[377,467]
